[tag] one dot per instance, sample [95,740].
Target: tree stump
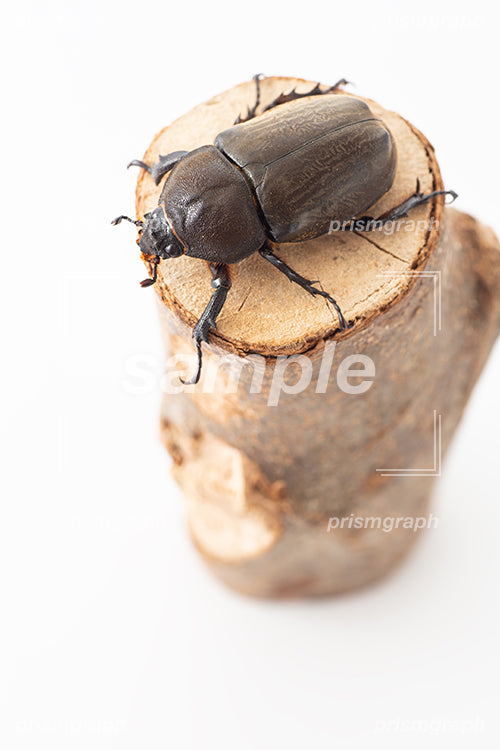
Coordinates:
[262,480]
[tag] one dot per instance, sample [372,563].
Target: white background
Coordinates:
[113,634]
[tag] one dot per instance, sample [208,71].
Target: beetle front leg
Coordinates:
[221,283]
[292,275]
[154,260]
[367,223]
[162,166]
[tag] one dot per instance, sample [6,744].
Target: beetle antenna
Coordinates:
[137,222]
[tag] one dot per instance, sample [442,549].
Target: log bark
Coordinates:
[262,481]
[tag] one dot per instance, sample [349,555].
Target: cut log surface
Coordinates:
[261,482]
[348,265]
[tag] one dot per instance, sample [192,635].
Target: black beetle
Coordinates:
[281,176]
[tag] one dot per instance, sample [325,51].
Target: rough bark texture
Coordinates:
[261,482]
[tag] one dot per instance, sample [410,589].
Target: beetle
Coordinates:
[280,176]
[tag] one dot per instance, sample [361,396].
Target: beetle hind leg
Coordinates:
[366,223]
[414,200]
[292,275]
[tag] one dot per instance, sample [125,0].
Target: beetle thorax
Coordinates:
[211,208]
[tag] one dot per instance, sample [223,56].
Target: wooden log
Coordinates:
[263,481]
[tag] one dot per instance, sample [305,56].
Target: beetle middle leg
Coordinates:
[283,98]
[292,275]
[221,284]
[294,94]
[251,112]
[367,223]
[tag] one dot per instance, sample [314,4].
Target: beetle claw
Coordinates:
[139,163]
[340,83]
[194,380]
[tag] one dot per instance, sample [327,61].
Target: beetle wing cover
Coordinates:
[312,161]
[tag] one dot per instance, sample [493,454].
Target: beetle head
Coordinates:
[157,237]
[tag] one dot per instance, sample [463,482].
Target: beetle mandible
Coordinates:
[280,176]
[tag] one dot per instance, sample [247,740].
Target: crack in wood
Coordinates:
[383,249]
